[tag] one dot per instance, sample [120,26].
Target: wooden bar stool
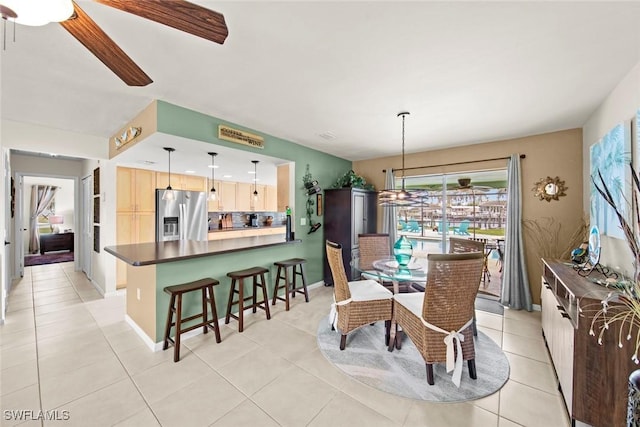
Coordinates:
[290,287]
[238,278]
[176,291]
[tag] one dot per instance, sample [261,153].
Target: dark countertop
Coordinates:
[219,230]
[158,252]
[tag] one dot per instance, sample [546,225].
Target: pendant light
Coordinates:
[212,193]
[168,193]
[255,179]
[402,197]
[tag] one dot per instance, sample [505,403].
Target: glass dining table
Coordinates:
[387,269]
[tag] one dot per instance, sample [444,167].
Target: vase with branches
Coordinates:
[620,309]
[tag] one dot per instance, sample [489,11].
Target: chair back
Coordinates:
[372,247]
[340,282]
[452,286]
[459,245]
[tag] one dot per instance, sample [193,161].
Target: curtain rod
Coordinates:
[522,156]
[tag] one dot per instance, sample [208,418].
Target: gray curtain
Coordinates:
[389,213]
[516,292]
[41,198]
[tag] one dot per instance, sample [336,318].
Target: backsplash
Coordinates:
[241,219]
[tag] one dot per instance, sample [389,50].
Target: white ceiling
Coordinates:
[468,72]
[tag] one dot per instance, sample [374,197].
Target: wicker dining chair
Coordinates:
[460,245]
[446,305]
[373,247]
[356,303]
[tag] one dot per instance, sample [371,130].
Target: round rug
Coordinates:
[403,373]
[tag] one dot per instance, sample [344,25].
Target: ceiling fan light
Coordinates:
[40,12]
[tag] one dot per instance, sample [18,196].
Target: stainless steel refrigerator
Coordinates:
[184,218]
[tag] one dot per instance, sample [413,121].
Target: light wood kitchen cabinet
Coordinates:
[194,183]
[227,196]
[282,188]
[181,182]
[258,204]
[135,190]
[271,198]
[244,196]
[214,205]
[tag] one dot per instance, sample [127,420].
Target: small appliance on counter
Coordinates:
[253,220]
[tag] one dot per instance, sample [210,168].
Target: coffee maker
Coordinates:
[253,220]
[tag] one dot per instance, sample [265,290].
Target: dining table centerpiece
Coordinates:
[621,306]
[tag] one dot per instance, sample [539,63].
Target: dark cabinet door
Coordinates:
[348,212]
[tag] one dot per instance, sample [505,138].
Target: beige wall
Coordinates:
[553,154]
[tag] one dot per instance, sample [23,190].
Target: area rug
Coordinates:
[402,372]
[48,258]
[489,304]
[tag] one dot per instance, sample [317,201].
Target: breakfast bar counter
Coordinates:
[153,266]
[160,252]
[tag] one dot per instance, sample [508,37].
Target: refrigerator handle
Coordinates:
[181,221]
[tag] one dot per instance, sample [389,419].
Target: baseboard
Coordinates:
[142,334]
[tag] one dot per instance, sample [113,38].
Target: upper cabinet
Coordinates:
[135,189]
[227,196]
[282,200]
[244,195]
[271,199]
[181,182]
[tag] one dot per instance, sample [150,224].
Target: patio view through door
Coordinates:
[468,205]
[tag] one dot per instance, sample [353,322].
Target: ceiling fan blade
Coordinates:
[83,28]
[179,14]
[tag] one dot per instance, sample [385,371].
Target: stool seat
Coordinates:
[191,286]
[249,272]
[290,262]
[176,292]
[237,287]
[290,286]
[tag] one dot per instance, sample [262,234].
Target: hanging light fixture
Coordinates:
[168,193]
[255,179]
[212,193]
[402,197]
[39,12]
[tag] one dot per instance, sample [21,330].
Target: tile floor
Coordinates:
[63,347]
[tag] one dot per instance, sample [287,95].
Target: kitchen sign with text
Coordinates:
[240,137]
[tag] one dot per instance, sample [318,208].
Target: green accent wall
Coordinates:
[324,168]
[217,267]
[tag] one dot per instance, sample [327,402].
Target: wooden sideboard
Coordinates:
[592,378]
[56,242]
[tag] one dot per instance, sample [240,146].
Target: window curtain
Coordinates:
[41,198]
[389,218]
[516,293]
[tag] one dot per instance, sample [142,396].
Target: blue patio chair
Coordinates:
[414,227]
[403,225]
[462,228]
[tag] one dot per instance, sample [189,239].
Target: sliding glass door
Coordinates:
[467,205]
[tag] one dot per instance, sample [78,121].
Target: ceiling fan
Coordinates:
[179,14]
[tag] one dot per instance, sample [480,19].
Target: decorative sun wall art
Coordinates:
[611,156]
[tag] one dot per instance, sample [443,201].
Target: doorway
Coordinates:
[48,237]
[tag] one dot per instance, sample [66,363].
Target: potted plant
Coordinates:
[625,313]
[352,180]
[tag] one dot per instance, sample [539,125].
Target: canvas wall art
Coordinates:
[610,157]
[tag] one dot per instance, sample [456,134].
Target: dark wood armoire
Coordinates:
[347,213]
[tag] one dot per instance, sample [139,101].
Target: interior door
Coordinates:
[87,225]
[21,226]
[5,215]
